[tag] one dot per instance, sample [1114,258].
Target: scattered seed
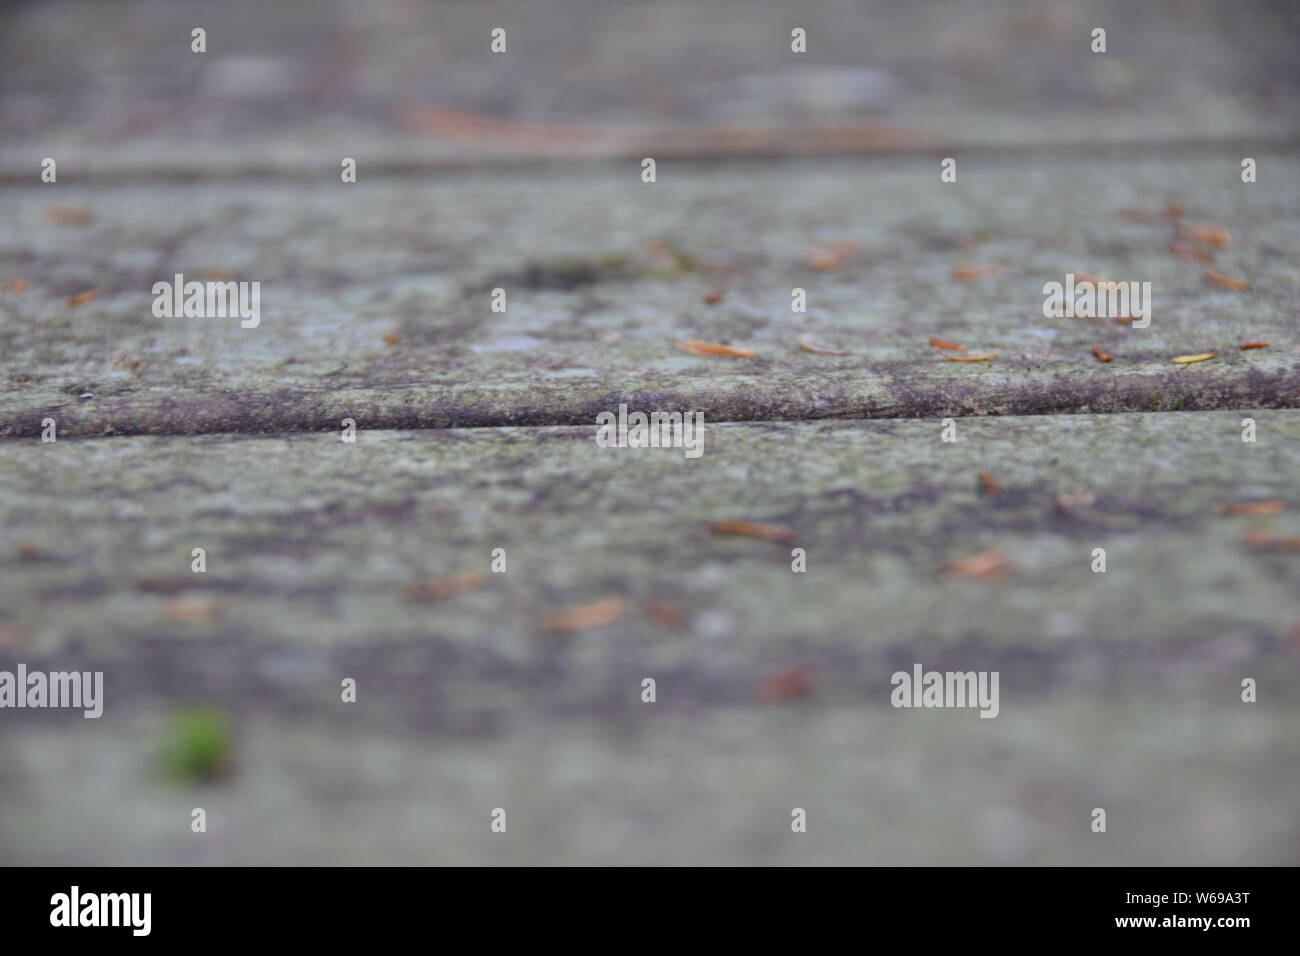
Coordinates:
[713,348]
[986,357]
[753,529]
[1189,359]
[1226,282]
[809,344]
[193,609]
[69,215]
[1102,354]
[669,615]
[1252,345]
[446,587]
[1270,507]
[1210,235]
[968,273]
[81,298]
[1264,541]
[829,255]
[945,344]
[986,564]
[787,685]
[392,338]
[991,486]
[713,296]
[581,618]
[1183,251]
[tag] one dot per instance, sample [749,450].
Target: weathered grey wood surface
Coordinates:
[1119,690]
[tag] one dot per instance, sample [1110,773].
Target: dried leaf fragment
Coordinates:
[1265,541]
[669,615]
[787,685]
[15,285]
[713,348]
[945,344]
[69,215]
[549,139]
[1252,345]
[392,338]
[1183,251]
[1190,359]
[1226,282]
[969,273]
[713,296]
[81,298]
[1211,235]
[1172,211]
[194,609]
[1102,354]
[830,254]
[809,344]
[581,618]
[446,587]
[753,529]
[991,486]
[985,357]
[1270,507]
[986,564]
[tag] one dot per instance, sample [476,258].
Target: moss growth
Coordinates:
[564,275]
[199,745]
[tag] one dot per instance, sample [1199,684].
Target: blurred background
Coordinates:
[112,85]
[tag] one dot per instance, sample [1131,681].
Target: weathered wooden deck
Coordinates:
[1118,690]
